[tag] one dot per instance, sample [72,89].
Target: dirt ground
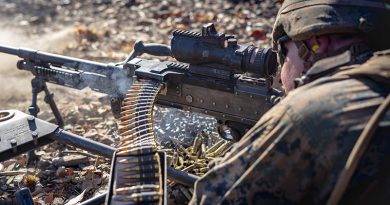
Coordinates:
[105,31]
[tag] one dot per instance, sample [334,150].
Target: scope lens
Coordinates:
[261,61]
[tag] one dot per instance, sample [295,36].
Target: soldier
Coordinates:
[297,150]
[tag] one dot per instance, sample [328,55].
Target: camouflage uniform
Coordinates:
[294,154]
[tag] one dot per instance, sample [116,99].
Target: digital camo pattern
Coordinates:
[294,154]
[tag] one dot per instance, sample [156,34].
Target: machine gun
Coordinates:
[213,75]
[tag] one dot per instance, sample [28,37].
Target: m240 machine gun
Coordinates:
[213,75]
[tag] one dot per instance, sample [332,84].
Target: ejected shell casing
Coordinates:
[169,160]
[189,168]
[168,151]
[179,167]
[175,159]
[222,148]
[203,150]
[181,160]
[181,148]
[199,154]
[204,169]
[215,146]
[199,174]
[191,157]
[199,164]
[197,143]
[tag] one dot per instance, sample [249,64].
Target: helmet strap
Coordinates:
[305,53]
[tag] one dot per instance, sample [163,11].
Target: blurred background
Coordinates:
[104,31]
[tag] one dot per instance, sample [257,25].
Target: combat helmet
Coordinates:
[302,19]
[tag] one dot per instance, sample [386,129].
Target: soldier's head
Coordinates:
[306,31]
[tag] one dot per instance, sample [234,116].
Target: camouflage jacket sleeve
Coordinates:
[295,152]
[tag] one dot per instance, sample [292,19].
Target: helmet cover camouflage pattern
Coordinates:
[303,19]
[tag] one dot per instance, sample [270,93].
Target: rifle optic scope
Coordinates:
[211,47]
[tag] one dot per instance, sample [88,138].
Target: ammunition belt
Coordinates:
[137,175]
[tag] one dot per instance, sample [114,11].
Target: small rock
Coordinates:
[68,127]
[64,2]
[91,133]
[58,201]
[46,174]
[24,23]
[103,2]
[61,171]
[43,164]
[38,189]
[105,140]
[36,20]
[71,160]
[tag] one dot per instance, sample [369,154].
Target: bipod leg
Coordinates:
[37,87]
[49,99]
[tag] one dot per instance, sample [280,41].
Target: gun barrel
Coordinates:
[54,59]
[8,49]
